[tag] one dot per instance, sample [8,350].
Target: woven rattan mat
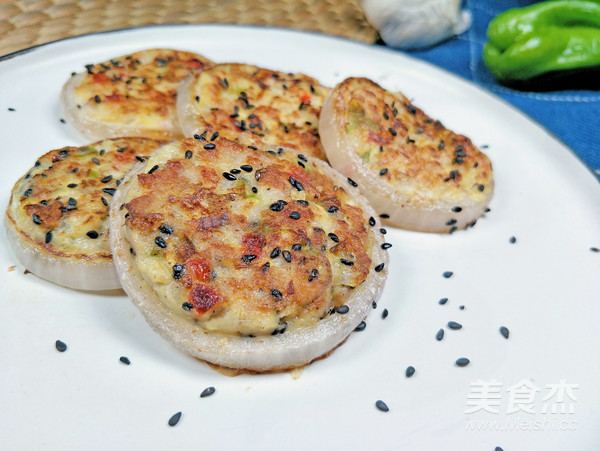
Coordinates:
[27,23]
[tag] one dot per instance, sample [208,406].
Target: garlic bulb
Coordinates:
[413,24]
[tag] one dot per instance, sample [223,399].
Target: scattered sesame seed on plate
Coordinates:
[439,335]
[382,406]
[410,371]
[443,301]
[463,361]
[124,360]
[504,332]
[454,325]
[207,392]
[447,274]
[174,419]
[61,346]
[384,314]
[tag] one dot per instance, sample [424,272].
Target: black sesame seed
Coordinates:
[110,191]
[343,261]
[443,301]
[453,229]
[481,187]
[11,109]
[463,361]
[229,176]
[140,158]
[209,146]
[361,326]
[265,267]
[275,252]
[439,335]
[97,99]
[296,247]
[343,309]
[72,201]
[302,202]
[125,360]
[504,332]
[383,231]
[247,258]
[48,237]
[382,406]
[208,391]
[281,327]
[153,169]
[332,209]
[411,109]
[594,249]
[512,240]
[187,306]
[104,201]
[461,307]
[36,219]
[106,179]
[287,256]
[456,209]
[313,274]
[384,216]
[352,182]
[246,168]
[451,222]
[441,145]
[384,314]
[160,242]
[72,185]
[296,183]
[392,131]
[276,206]
[447,274]
[379,267]
[92,234]
[254,189]
[295,215]
[214,136]
[410,371]
[497,448]
[374,304]
[95,160]
[383,171]
[276,293]
[60,346]
[188,154]
[385,246]
[234,171]
[333,237]
[174,419]
[166,229]
[454,325]
[28,192]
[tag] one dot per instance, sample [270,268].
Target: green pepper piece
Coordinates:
[548,37]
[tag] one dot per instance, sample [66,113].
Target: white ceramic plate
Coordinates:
[544,288]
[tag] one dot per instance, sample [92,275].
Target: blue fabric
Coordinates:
[572,116]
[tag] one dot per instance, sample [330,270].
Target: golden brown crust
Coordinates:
[263,242]
[255,106]
[130,95]
[400,142]
[61,205]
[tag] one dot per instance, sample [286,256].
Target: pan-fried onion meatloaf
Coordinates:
[244,258]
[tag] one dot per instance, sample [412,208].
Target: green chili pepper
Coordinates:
[547,39]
